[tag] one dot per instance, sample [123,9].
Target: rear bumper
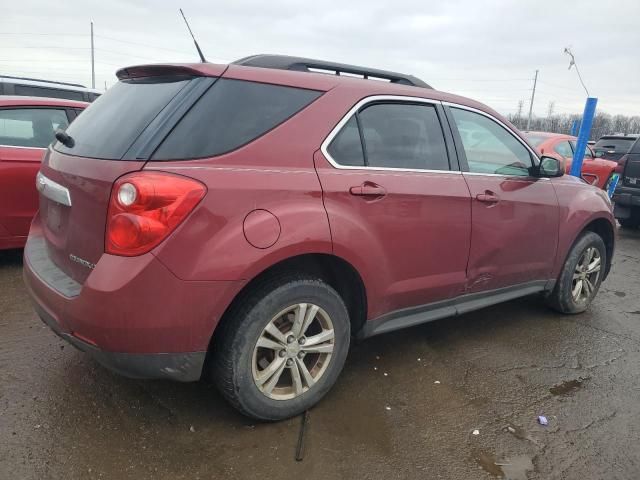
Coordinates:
[183,367]
[131,314]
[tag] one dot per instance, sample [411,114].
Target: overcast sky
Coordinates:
[487,50]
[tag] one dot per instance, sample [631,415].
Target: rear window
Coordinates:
[229,115]
[636,147]
[617,145]
[110,125]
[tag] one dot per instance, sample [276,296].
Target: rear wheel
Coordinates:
[581,275]
[282,349]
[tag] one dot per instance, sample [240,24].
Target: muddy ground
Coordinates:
[406,406]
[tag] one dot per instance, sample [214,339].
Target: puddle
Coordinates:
[568,386]
[513,468]
[516,468]
[488,463]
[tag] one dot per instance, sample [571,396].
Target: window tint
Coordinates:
[230,114]
[346,147]
[108,127]
[403,136]
[30,127]
[489,147]
[564,149]
[32,91]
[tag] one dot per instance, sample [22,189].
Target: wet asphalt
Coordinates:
[454,399]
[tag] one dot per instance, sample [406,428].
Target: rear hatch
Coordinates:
[631,175]
[115,135]
[613,148]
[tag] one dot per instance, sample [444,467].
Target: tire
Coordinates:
[239,366]
[563,298]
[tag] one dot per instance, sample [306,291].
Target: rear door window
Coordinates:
[108,127]
[229,115]
[30,127]
[395,135]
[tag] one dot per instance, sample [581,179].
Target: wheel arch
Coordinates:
[334,270]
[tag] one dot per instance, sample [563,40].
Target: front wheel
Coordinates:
[581,275]
[282,349]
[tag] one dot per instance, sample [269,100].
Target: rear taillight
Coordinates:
[621,163]
[145,207]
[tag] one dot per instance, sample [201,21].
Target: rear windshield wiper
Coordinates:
[64,138]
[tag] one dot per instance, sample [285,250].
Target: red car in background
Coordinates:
[27,127]
[596,171]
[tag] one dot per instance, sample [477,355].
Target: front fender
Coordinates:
[581,206]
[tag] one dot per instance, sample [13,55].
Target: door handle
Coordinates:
[488,197]
[368,189]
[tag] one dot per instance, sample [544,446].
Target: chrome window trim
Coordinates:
[53,190]
[29,148]
[371,99]
[499,122]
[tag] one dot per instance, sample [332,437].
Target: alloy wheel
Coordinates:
[586,274]
[293,351]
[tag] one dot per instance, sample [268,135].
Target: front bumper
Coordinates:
[131,314]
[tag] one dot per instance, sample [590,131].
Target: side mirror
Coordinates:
[550,167]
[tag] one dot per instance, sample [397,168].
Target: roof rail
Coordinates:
[44,81]
[286,62]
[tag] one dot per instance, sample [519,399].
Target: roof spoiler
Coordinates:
[285,62]
[158,70]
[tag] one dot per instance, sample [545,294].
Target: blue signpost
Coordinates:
[574,127]
[583,136]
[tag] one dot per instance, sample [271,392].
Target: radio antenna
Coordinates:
[202,59]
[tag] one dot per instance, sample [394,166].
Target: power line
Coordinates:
[143,45]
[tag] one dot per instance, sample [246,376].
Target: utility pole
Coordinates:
[93,64]
[533,94]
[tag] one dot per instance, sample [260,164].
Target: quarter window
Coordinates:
[30,127]
[489,147]
[395,135]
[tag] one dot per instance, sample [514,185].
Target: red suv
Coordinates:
[245,221]
[27,127]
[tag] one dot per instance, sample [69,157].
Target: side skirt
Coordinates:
[408,317]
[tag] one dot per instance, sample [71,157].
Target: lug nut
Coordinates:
[290,339]
[282,353]
[289,362]
[302,340]
[300,355]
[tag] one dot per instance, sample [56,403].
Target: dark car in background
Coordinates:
[627,194]
[33,87]
[613,147]
[27,127]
